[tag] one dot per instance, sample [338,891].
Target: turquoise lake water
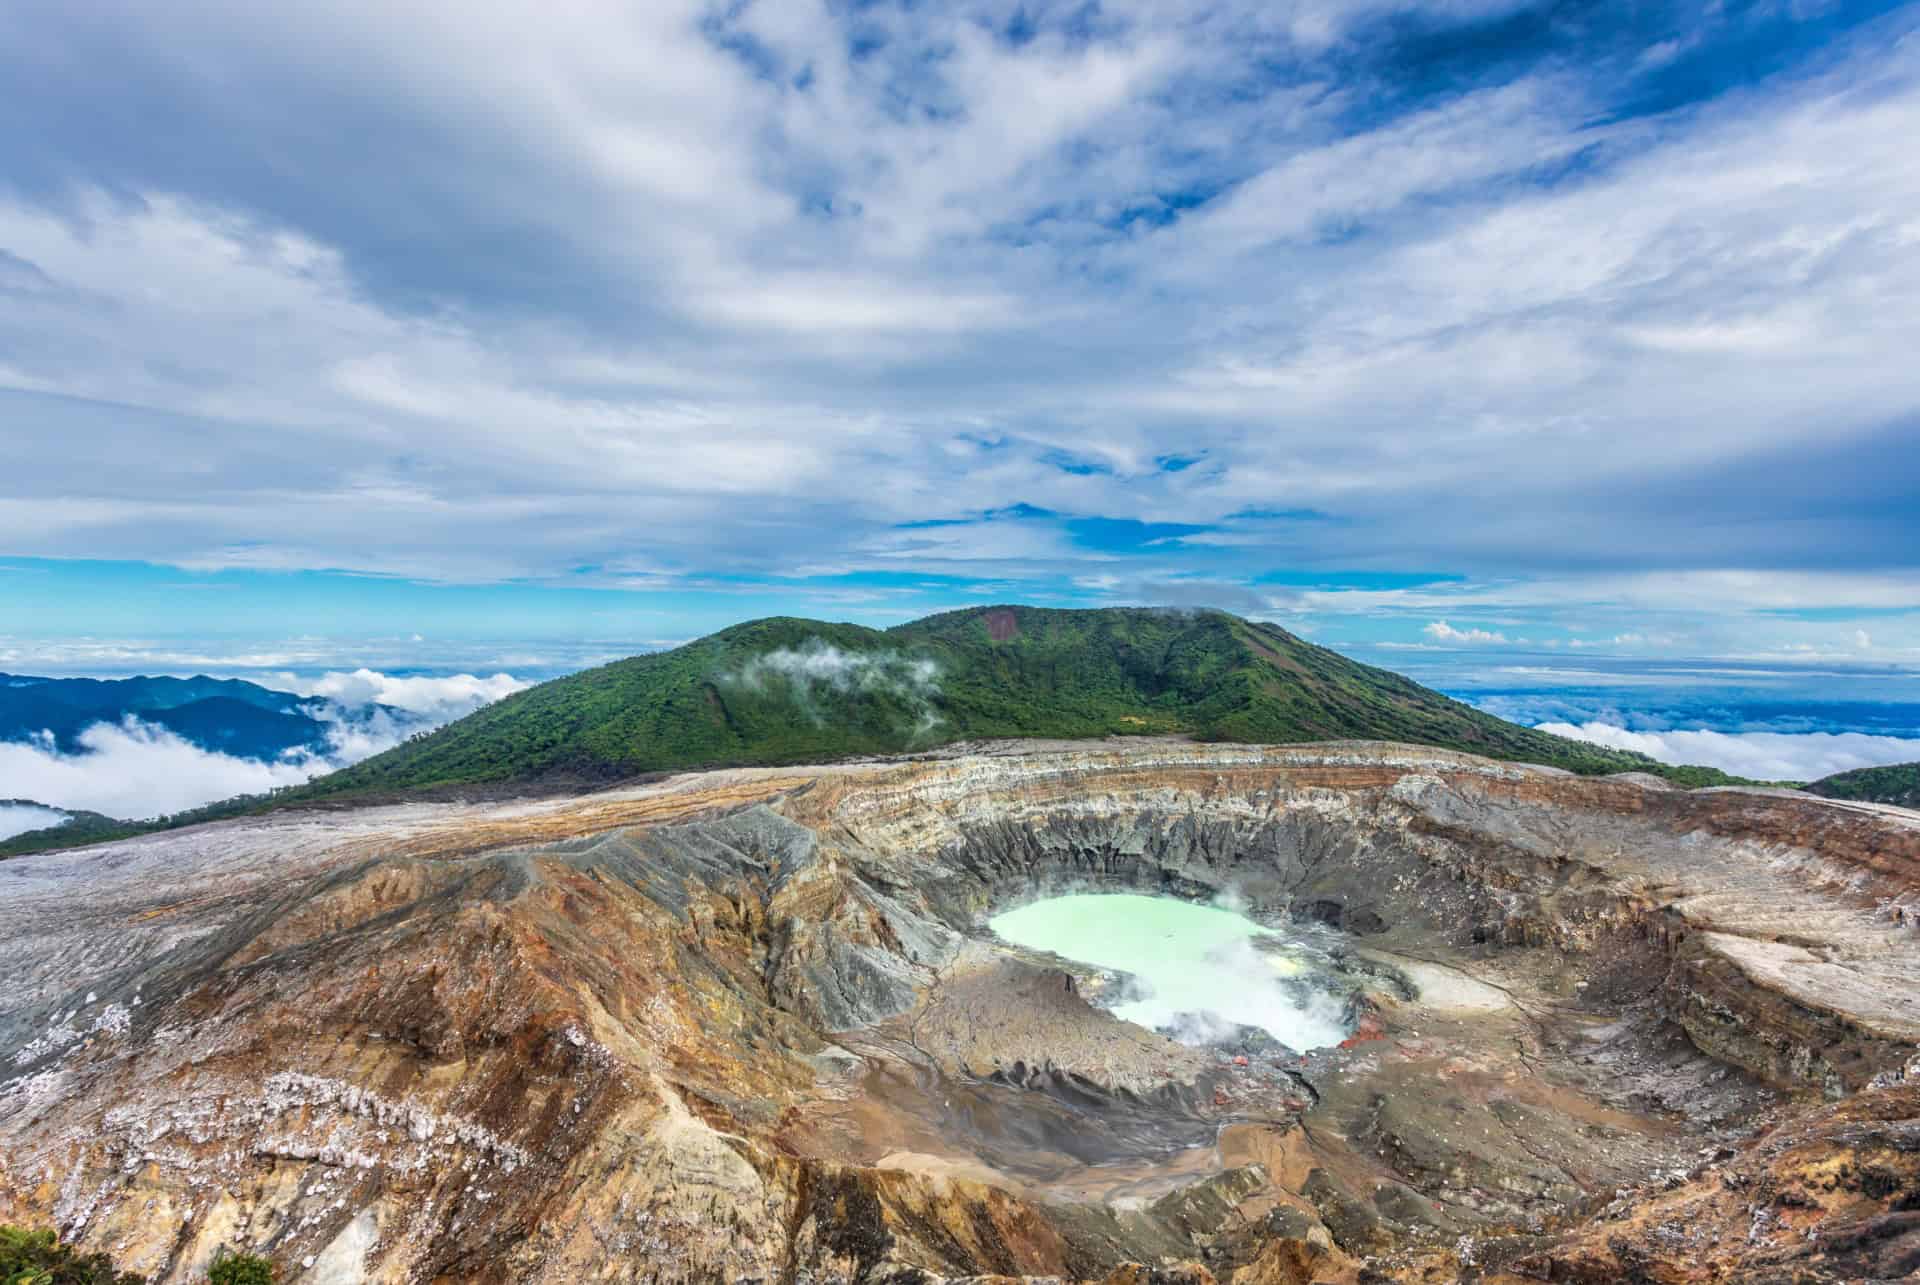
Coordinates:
[1199,966]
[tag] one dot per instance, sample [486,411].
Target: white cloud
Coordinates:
[1319,191]
[1764,756]
[1446,633]
[815,666]
[1790,617]
[136,770]
[435,698]
[1712,589]
[16,818]
[609,285]
[285,664]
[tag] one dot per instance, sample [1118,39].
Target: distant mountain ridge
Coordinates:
[1897,784]
[222,715]
[789,690]
[227,715]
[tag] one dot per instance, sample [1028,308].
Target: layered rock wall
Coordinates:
[747,1026]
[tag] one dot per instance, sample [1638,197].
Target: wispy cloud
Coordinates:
[1608,311]
[816,667]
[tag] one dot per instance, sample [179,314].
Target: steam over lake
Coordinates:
[1202,969]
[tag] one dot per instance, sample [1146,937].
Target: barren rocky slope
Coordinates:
[749,1026]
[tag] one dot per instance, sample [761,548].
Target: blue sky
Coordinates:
[1464,336]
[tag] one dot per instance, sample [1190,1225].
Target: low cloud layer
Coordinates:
[816,667]
[1767,756]
[439,698]
[18,818]
[136,770]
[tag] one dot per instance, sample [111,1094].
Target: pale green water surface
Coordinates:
[1199,964]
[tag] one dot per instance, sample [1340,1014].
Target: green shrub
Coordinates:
[241,1269]
[841,690]
[38,1258]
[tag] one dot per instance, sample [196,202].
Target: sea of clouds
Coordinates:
[1765,756]
[1802,731]
[134,770]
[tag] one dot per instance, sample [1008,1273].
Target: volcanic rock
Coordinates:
[750,1026]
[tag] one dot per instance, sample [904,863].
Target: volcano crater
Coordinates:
[757,1025]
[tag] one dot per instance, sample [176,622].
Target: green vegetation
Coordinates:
[241,1269]
[95,827]
[38,1258]
[785,690]
[78,828]
[1898,785]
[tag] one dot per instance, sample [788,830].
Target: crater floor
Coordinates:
[752,1026]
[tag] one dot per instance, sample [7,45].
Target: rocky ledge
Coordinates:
[750,1026]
